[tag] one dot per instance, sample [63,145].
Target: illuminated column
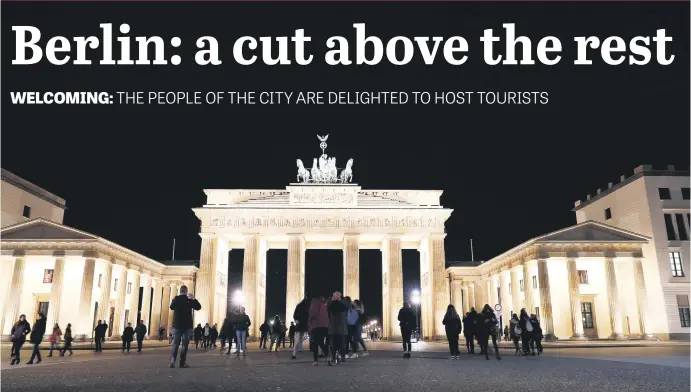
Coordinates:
[528,289]
[53,315]
[121,292]
[295,291]
[506,306]
[133,280]
[494,297]
[641,298]
[206,278]
[145,282]
[440,288]
[11,314]
[546,321]
[85,298]
[104,302]
[575,296]
[471,296]
[466,304]
[458,299]
[515,290]
[351,267]
[156,308]
[173,293]
[251,280]
[613,299]
[477,294]
[165,305]
[394,275]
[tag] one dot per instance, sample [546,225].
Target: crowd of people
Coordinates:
[334,324]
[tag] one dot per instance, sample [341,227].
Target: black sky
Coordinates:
[132,174]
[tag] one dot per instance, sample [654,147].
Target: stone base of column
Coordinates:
[579,336]
[648,336]
[618,336]
[550,338]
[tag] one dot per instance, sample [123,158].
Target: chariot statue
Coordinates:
[324,169]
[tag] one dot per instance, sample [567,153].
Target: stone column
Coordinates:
[575,296]
[395,283]
[351,266]
[515,290]
[206,280]
[145,282]
[613,300]
[295,291]
[156,309]
[172,292]
[121,292]
[466,304]
[506,306]
[11,314]
[528,289]
[546,321]
[494,297]
[133,307]
[437,257]
[53,315]
[477,294]
[165,305]
[250,281]
[641,298]
[85,298]
[457,296]
[104,302]
[471,296]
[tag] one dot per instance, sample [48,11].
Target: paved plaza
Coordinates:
[660,368]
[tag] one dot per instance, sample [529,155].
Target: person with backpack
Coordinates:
[487,327]
[527,331]
[408,322]
[515,332]
[301,317]
[453,326]
[537,333]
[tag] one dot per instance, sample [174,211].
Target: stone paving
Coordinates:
[664,368]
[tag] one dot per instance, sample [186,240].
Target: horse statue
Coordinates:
[347,173]
[302,172]
[316,173]
[331,170]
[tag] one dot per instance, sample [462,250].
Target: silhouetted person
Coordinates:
[408,321]
[68,341]
[99,335]
[127,336]
[453,326]
[18,335]
[263,335]
[140,331]
[486,328]
[36,337]
[182,307]
[469,330]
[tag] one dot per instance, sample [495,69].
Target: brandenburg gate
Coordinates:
[324,209]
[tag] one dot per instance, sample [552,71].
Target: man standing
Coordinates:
[98,337]
[140,331]
[300,315]
[105,332]
[291,334]
[182,306]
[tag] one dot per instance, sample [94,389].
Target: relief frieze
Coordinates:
[324,222]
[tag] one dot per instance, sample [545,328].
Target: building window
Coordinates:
[27,212]
[43,308]
[685,194]
[683,305]
[664,194]
[681,226]
[115,285]
[671,234]
[520,285]
[583,276]
[608,214]
[675,264]
[129,287]
[537,312]
[534,281]
[587,314]
[48,276]
[100,278]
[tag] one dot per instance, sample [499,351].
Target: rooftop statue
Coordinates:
[324,169]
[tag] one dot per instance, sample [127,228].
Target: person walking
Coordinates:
[36,337]
[242,325]
[318,327]
[198,336]
[18,335]
[54,338]
[453,326]
[515,331]
[127,337]
[275,333]
[284,331]
[351,322]
[359,341]
[182,307]
[486,328]
[291,335]
[527,332]
[537,333]
[301,317]
[338,328]
[68,341]
[469,330]
[407,321]
[98,336]
[205,338]
[213,335]
[506,333]
[264,331]
[140,331]
[161,333]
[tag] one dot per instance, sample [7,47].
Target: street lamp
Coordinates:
[238,299]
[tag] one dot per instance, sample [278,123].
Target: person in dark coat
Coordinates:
[301,317]
[105,332]
[242,325]
[338,327]
[18,335]
[515,332]
[213,335]
[36,337]
[537,333]
[197,335]
[141,333]
[275,333]
[127,337]
[407,321]
[453,326]
[487,327]
[527,332]
[469,330]
[291,335]
[99,335]
[318,327]
[182,305]
[224,333]
[68,341]
[264,335]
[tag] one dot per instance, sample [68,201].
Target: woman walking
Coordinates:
[359,308]
[54,338]
[318,326]
[68,341]
[338,328]
[19,331]
[36,338]
[452,324]
[407,320]
[527,332]
[515,331]
[487,327]
[127,336]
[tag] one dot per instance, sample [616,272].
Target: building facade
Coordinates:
[654,203]
[22,200]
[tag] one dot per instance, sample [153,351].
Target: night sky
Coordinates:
[132,174]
